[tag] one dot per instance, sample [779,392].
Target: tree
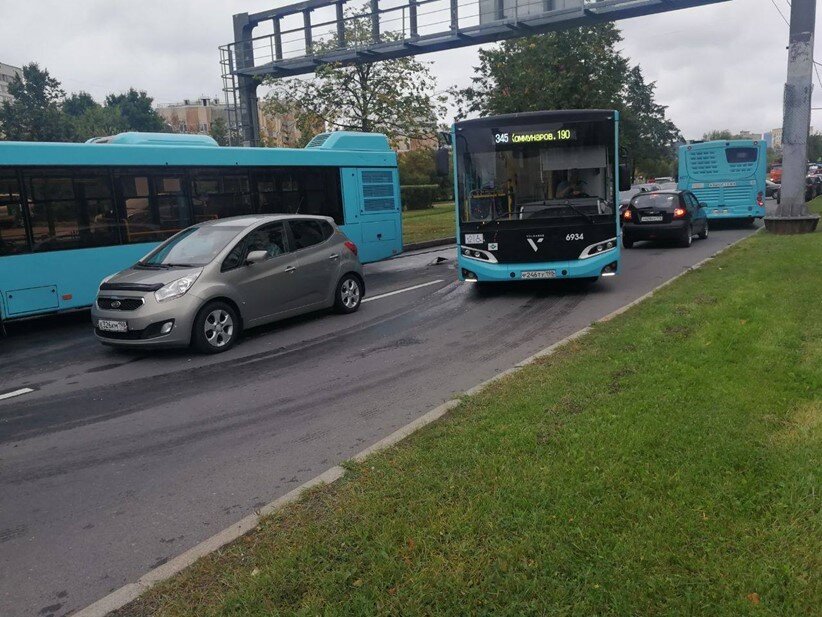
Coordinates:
[79,103]
[34,114]
[719,135]
[219,131]
[395,97]
[136,108]
[98,121]
[580,68]
[815,148]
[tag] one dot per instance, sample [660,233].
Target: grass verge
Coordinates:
[431,224]
[666,464]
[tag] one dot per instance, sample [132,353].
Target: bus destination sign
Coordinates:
[533,137]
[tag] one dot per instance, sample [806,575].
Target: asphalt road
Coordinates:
[118,461]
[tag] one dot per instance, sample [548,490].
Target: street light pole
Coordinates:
[792,215]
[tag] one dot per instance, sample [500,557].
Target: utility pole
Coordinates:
[792,215]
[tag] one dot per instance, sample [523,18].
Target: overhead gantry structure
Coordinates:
[298,38]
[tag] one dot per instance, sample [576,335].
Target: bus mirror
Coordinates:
[624,177]
[443,155]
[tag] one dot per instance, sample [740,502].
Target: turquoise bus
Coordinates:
[727,176]
[71,214]
[537,195]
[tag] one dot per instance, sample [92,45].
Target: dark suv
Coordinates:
[664,215]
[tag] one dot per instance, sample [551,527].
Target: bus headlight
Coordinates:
[177,288]
[598,248]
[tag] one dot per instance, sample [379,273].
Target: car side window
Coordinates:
[307,233]
[694,201]
[270,238]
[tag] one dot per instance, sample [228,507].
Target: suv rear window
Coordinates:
[740,155]
[655,200]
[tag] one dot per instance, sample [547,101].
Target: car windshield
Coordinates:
[654,200]
[192,247]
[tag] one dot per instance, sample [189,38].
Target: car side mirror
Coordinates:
[256,257]
[443,156]
[625,178]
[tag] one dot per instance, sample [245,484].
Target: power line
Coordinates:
[780,13]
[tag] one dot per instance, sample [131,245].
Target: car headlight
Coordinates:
[177,288]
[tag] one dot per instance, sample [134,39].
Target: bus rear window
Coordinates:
[740,155]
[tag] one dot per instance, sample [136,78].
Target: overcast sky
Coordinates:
[719,66]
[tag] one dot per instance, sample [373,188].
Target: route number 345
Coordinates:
[571,237]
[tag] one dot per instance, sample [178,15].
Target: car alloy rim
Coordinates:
[219,328]
[350,291]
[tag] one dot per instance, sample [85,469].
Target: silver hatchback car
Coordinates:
[207,283]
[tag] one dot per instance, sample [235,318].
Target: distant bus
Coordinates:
[537,196]
[727,176]
[71,214]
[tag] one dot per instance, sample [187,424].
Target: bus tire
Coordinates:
[216,328]
[348,294]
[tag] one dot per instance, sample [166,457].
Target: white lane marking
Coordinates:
[399,291]
[16,393]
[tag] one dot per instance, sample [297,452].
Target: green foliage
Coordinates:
[41,111]
[419,196]
[34,114]
[395,97]
[219,131]
[420,167]
[815,148]
[719,135]
[580,68]
[136,108]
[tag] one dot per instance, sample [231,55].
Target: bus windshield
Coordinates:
[557,173]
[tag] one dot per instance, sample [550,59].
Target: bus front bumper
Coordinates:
[735,212]
[476,270]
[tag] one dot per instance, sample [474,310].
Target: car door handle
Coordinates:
[334,256]
[290,269]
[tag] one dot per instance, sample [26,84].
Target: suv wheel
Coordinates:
[626,242]
[216,328]
[348,296]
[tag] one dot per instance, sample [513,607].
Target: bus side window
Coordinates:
[218,194]
[173,213]
[13,238]
[67,213]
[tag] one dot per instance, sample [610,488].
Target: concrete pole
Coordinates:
[797,111]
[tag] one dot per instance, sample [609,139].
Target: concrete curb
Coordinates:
[130,592]
[415,246]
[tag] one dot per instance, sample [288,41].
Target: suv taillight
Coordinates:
[351,246]
[627,215]
[679,213]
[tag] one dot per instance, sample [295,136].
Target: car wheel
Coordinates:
[216,328]
[687,237]
[627,242]
[703,235]
[348,296]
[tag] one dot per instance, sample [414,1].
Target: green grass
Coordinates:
[666,464]
[431,224]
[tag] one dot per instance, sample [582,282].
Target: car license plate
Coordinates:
[540,274]
[651,219]
[111,325]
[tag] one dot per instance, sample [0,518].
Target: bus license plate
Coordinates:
[110,325]
[539,274]
[651,219]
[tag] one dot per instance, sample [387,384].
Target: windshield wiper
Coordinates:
[578,211]
[172,265]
